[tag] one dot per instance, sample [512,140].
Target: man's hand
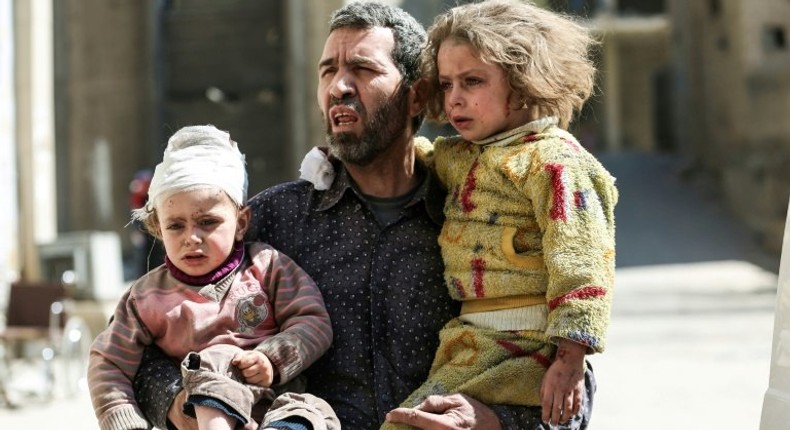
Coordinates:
[451,412]
[562,388]
[255,367]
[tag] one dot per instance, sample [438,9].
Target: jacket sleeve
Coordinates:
[574,197]
[305,329]
[114,358]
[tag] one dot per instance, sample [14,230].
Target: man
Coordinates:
[369,241]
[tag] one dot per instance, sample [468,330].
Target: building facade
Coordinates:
[731,80]
[704,79]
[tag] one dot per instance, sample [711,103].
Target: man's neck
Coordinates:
[392,174]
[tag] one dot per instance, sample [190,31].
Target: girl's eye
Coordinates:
[208,222]
[174,226]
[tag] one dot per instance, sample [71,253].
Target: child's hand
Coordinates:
[255,367]
[562,389]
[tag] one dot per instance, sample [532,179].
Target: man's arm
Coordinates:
[156,385]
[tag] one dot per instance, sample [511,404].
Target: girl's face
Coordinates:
[199,227]
[477,99]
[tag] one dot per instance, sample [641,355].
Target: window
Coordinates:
[774,39]
[714,8]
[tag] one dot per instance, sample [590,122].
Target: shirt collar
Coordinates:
[429,192]
[340,184]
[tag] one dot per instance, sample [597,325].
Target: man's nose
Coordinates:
[342,86]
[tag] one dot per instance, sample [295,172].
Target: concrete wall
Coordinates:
[642,57]
[732,69]
[104,105]
[125,81]
[9,245]
[34,129]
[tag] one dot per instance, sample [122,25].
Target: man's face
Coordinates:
[365,107]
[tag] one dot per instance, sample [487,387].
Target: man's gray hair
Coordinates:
[409,34]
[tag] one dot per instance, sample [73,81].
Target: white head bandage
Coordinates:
[198,157]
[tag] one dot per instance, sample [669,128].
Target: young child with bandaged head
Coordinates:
[242,318]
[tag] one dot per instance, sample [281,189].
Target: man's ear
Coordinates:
[418,96]
[243,222]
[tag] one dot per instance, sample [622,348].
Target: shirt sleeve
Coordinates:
[305,329]
[574,197]
[114,358]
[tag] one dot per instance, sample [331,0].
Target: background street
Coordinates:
[690,339]
[689,344]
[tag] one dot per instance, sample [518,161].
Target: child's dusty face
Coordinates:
[199,228]
[477,98]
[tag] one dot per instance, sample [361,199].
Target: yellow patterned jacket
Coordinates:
[529,213]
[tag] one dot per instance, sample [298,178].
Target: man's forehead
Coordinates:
[348,42]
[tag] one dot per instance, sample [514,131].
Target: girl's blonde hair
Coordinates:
[546,56]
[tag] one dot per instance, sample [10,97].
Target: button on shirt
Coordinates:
[382,285]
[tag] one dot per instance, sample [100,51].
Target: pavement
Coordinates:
[689,344]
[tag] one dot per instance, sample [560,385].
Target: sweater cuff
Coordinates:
[125,417]
[284,354]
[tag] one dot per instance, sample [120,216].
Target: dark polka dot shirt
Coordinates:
[382,285]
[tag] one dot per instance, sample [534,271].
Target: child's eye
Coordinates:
[208,222]
[174,226]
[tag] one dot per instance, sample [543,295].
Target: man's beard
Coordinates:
[380,131]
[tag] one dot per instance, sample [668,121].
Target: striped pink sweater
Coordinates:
[269,304]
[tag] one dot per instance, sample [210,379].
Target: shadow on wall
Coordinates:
[663,220]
